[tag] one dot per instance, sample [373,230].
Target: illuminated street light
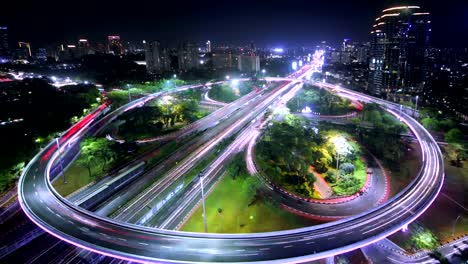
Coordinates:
[405,228]
[263,71]
[235,82]
[203,201]
[227,77]
[294,65]
[174,76]
[167,99]
[129,93]
[342,147]
[416,106]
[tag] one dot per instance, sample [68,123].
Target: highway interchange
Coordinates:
[138,243]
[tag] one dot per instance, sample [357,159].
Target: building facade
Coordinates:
[188,57]
[248,63]
[157,58]
[114,45]
[398,53]
[4,47]
[224,60]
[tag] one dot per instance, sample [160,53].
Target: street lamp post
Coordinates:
[416,106]
[129,94]
[455,223]
[60,160]
[337,159]
[203,201]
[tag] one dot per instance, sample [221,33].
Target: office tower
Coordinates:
[223,60]
[398,52]
[188,56]
[41,54]
[253,49]
[114,45]
[68,52]
[208,46]
[248,63]
[23,51]
[157,59]
[4,47]
[362,53]
[84,48]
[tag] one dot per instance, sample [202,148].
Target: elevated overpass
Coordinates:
[82,228]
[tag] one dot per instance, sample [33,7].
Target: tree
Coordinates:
[456,153]
[251,186]
[430,123]
[454,135]
[95,151]
[375,117]
[331,176]
[7,177]
[347,168]
[424,239]
[349,184]
[447,124]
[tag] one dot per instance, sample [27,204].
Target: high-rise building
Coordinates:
[253,49]
[223,60]
[398,52]
[114,45]
[188,57]
[248,63]
[4,47]
[157,59]
[23,52]
[362,53]
[41,54]
[68,52]
[208,46]
[84,48]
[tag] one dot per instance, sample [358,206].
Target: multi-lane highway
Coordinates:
[137,243]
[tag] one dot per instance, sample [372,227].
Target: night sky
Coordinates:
[264,22]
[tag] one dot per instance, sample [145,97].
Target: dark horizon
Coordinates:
[265,23]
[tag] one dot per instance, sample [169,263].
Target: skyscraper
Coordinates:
[23,51]
[4,48]
[188,56]
[208,46]
[83,47]
[114,45]
[157,59]
[398,53]
[248,63]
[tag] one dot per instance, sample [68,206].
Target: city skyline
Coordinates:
[274,23]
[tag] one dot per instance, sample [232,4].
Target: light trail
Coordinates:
[83,229]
